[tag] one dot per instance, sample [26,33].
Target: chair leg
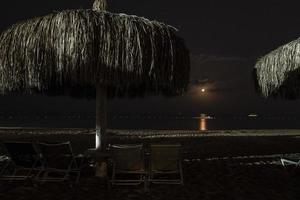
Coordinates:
[181,173]
[113,177]
[109,185]
[146,182]
[78,177]
[12,177]
[282,162]
[6,164]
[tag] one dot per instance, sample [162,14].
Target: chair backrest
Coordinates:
[165,157]
[3,152]
[57,156]
[128,157]
[23,154]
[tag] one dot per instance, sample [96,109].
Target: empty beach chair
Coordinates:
[23,162]
[165,164]
[294,162]
[59,162]
[128,165]
[4,160]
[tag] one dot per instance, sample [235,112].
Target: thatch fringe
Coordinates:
[77,48]
[274,69]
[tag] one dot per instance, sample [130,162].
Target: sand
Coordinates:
[217,165]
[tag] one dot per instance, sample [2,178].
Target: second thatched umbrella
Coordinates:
[116,54]
[279,71]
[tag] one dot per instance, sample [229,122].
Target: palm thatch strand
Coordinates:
[79,48]
[100,5]
[276,71]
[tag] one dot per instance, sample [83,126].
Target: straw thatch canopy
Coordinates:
[278,72]
[79,48]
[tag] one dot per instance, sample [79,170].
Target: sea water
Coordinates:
[156,122]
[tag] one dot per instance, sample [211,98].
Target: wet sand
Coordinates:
[217,165]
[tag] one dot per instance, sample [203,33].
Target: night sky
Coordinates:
[224,37]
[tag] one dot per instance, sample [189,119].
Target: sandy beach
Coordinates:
[217,165]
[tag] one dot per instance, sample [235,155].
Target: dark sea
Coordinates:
[156,122]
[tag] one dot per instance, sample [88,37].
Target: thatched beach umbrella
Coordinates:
[279,71]
[80,50]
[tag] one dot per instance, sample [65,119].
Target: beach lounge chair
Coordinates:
[128,165]
[4,160]
[165,164]
[290,162]
[59,162]
[23,162]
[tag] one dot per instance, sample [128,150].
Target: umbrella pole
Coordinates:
[101,116]
[101,96]
[101,110]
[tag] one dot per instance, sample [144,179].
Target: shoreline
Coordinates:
[148,132]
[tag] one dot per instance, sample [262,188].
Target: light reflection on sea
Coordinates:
[156,122]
